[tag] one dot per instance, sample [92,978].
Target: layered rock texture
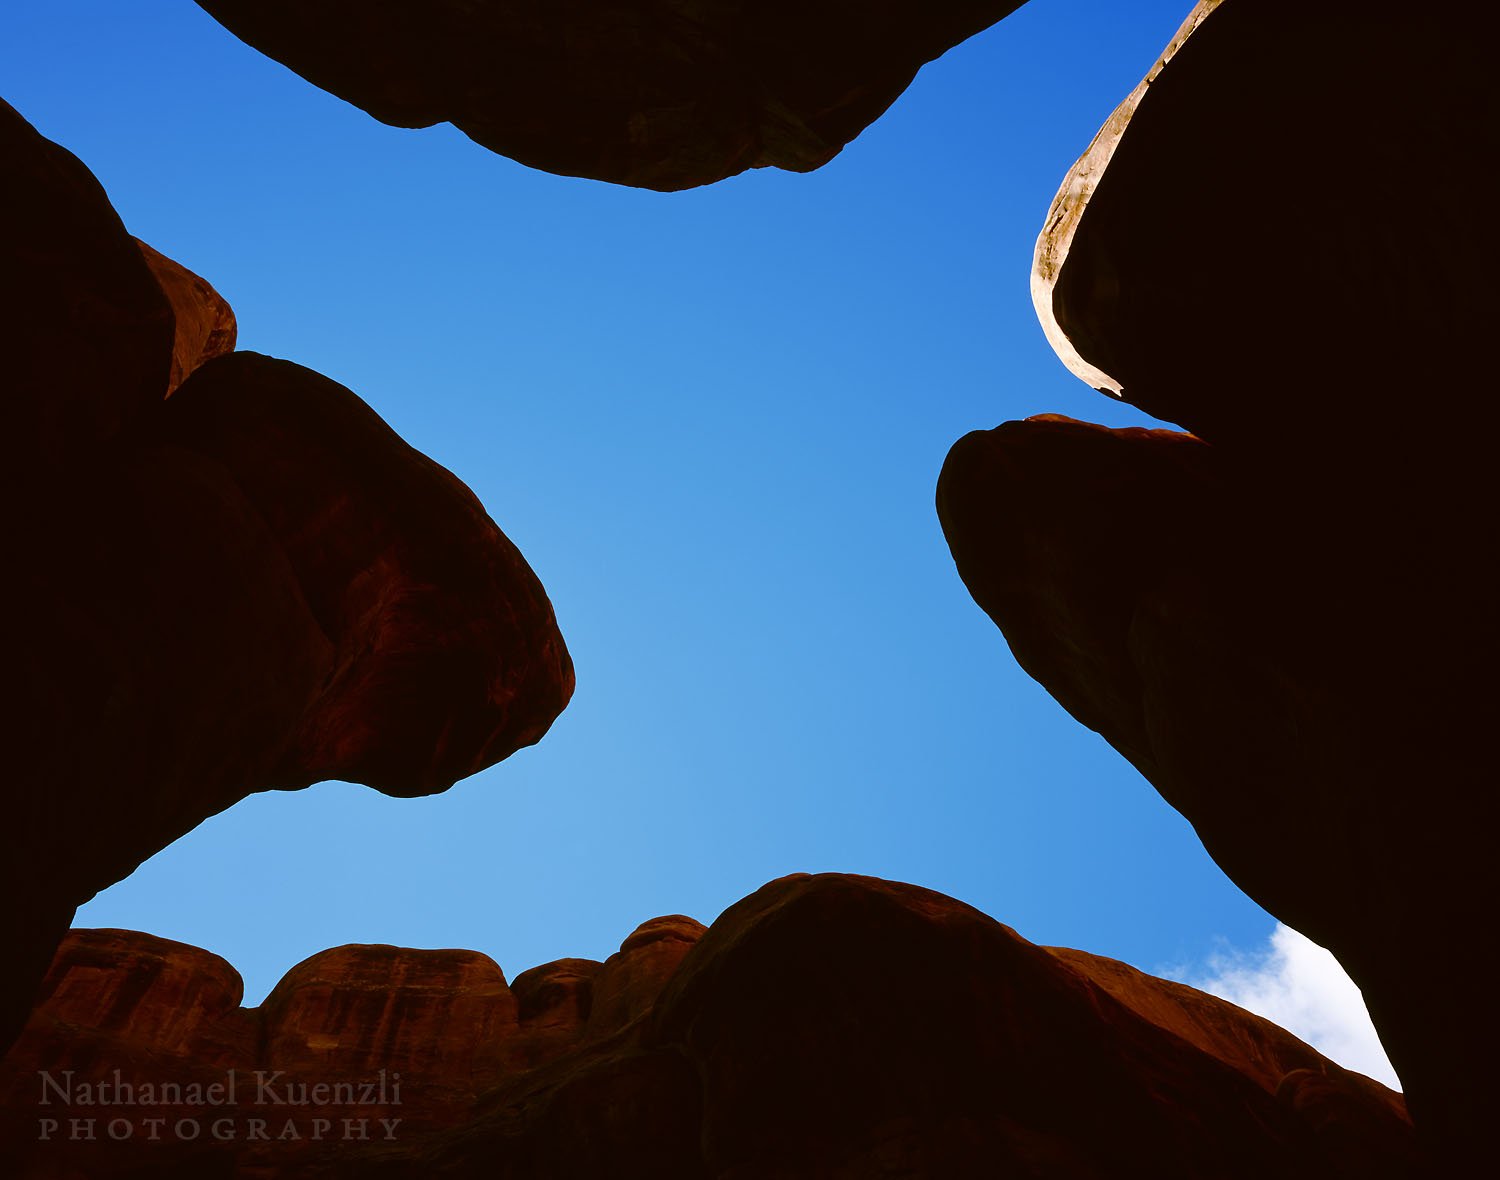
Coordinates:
[204,323]
[1286,620]
[250,584]
[824,1026]
[662,94]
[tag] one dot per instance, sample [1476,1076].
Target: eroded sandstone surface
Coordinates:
[203,321]
[660,94]
[824,1026]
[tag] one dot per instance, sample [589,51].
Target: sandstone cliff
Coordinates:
[824,1026]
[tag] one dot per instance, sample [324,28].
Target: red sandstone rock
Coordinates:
[253,585]
[1294,636]
[1361,1126]
[554,1001]
[1285,659]
[853,1027]
[1363,1123]
[1257,1048]
[1352,1123]
[295,595]
[442,655]
[165,996]
[661,94]
[824,1026]
[205,323]
[447,1017]
[1031,507]
[629,982]
[1294,640]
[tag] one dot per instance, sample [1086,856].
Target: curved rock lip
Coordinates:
[1068,206]
[1277,229]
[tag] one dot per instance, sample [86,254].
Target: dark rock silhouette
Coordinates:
[1273,231]
[1287,626]
[823,1026]
[659,94]
[87,330]
[251,584]
[1286,623]
[1298,669]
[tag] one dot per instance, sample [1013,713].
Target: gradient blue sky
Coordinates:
[713,422]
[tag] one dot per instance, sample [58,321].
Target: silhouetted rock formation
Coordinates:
[1288,627]
[659,94]
[1300,670]
[87,330]
[252,584]
[1272,237]
[824,1026]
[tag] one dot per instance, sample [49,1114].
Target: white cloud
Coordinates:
[1297,984]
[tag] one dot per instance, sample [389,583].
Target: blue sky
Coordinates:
[713,422]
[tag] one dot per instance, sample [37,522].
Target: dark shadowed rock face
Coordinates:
[87,330]
[440,654]
[1277,229]
[1298,667]
[252,584]
[1033,505]
[661,94]
[824,1026]
[1292,632]
[553,1004]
